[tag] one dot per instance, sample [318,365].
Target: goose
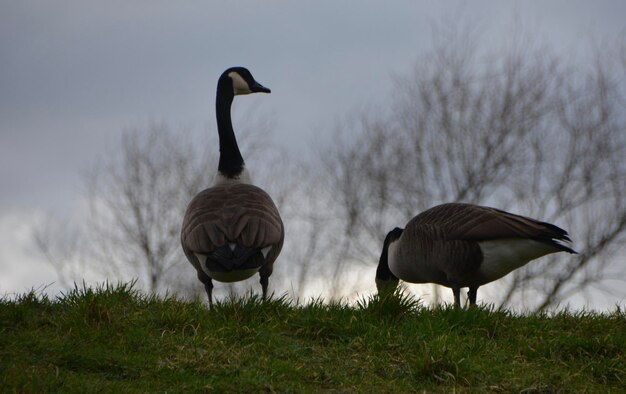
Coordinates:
[232,230]
[464,245]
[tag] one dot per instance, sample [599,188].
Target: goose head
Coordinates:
[386,281]
[239,81]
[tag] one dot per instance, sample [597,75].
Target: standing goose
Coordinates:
[464,245]
[232,230]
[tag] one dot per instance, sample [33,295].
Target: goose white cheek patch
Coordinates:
[240,86]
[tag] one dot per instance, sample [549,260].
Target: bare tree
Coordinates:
[58,241]
[517,129]
[586,150]
[137,197]
[139,193]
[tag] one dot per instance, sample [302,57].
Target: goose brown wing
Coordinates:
[232,213]
[457,221]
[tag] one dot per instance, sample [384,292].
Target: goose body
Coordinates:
[232,230]
[464,245]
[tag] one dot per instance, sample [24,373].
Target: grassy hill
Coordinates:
[115,339]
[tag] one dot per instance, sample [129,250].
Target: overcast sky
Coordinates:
[75,74]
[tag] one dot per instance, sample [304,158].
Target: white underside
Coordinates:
[232,276]
[503,256]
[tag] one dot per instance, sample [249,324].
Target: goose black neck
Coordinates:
[382,271]
[231,162]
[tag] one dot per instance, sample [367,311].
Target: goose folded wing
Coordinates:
[497,224]
[477,223]
[243,215]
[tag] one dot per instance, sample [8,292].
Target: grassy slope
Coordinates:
[115,339]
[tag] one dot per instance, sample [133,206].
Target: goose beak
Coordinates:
[258,88]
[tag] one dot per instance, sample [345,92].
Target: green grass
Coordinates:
[115,339]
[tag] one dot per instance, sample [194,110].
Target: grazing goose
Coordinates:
[232,230]
[464,245]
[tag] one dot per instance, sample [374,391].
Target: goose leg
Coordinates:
[471,294]
[264,282]
[208,286]
[456,291]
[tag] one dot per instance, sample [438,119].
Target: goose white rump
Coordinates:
[503,256]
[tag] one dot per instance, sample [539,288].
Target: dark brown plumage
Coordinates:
[236,213]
